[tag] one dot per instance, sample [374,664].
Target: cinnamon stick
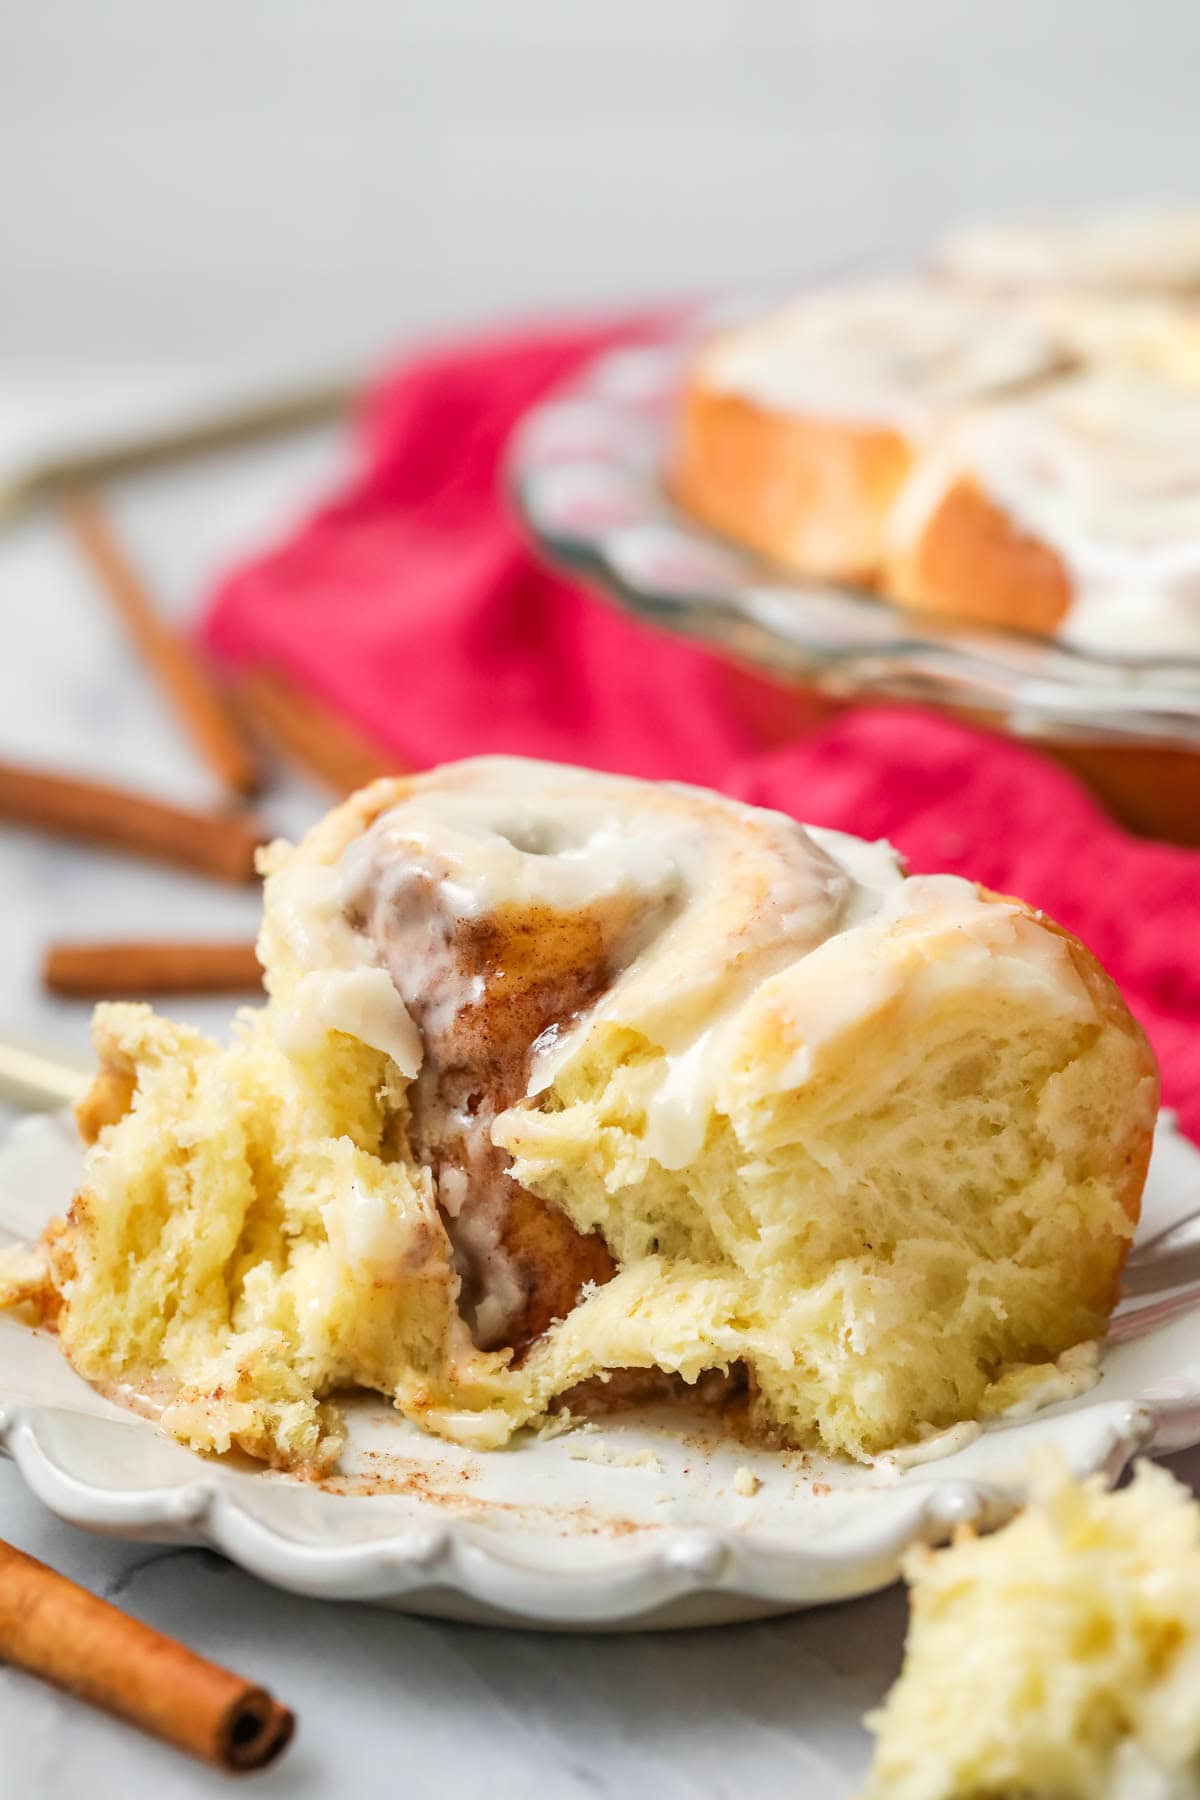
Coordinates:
[309,734]
[146,966]
[189,690]
[54,1629]
[215,844]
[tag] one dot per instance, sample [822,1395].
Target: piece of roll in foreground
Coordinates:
[1057,1659]
[564,1074]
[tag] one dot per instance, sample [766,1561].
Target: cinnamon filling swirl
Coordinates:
[484,991]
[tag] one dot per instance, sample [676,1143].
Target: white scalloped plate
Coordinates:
[635,1524]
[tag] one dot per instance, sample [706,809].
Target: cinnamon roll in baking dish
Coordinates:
[563,1074]
[1015,451]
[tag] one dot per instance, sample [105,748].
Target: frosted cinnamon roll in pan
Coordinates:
[565,1074]
[797,431]
[1074,510]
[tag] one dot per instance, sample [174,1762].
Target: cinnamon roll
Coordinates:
[563,1074]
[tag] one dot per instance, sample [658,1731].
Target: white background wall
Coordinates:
[190,178]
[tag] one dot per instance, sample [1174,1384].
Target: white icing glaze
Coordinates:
[1138,251]
[931,1448]
[895,353]
[1076,1372]
[856,972]
[502,841]
[1105,469]
[342,988]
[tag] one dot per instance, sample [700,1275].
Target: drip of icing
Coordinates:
[379,1232]
[497,921]
[343,987]
[933,1448]
[1076,1372]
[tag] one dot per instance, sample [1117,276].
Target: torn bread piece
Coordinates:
[1057,1659]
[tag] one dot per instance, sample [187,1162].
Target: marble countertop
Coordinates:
[384,1701]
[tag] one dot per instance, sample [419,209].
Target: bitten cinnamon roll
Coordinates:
[563,1074]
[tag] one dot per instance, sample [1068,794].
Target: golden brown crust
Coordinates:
[971,560]
[813,494]
[1132,1156]
[817,496]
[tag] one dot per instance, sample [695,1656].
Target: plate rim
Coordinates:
[633,1588]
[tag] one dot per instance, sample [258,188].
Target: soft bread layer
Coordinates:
[246,1242]
[881,1224]
[895,1172]
[1058,1657]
